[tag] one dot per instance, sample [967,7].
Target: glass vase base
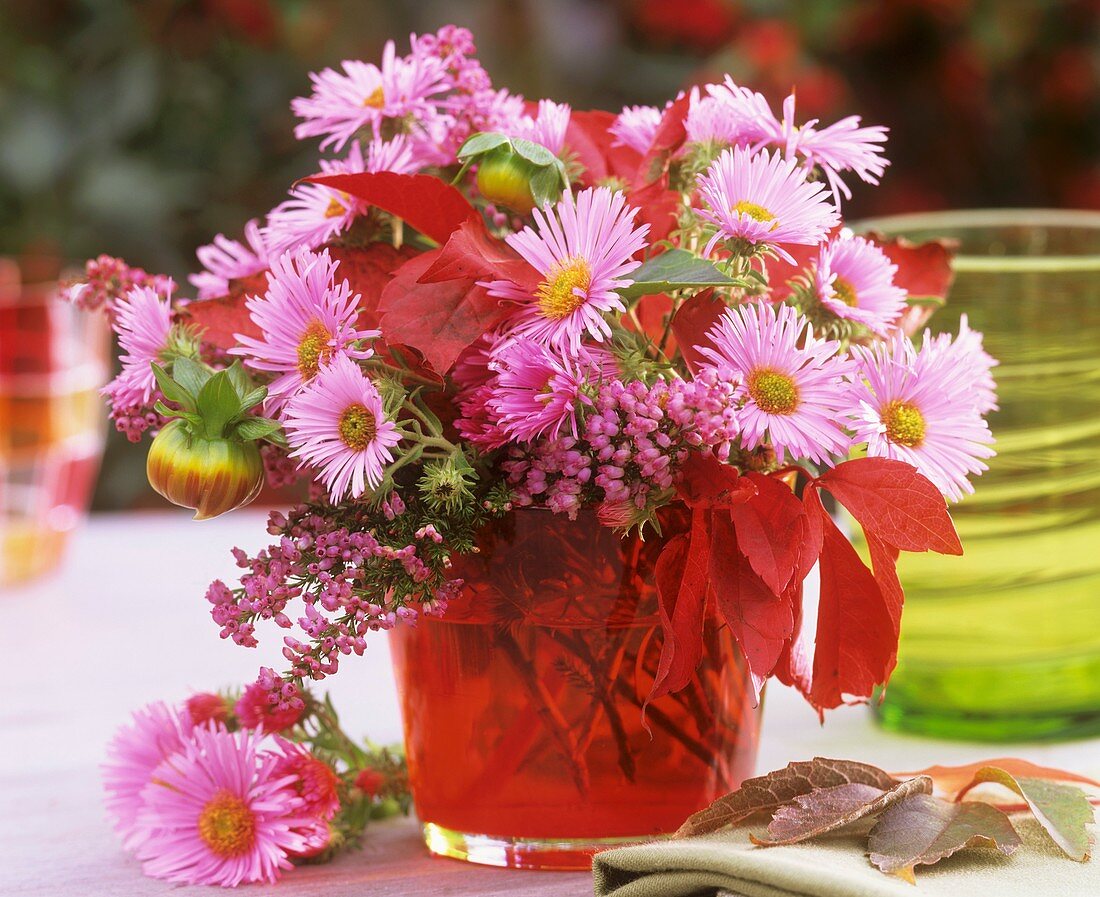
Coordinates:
[897,717]
[550,854]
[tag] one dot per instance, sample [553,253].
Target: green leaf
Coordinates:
[478,144]
[535,153]
[190,374]
[768,792]
[547,185]
[676,269]
[173,391]
[240,379]
[218,404]
[257,428]
[1062,810]
[922,830]
[189,416]
[250,399]
[828,809]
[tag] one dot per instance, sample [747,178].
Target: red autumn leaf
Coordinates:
[692,322]
[439,320]
[669,137]
[589,140]
[681,576]
[761,620]
[782,273]
[794,667]
[222,318]
[770,530]
[657,206]
[473,253]
[895,502]
[708,483]
[652,311]
[432,206]
[924,269]
[855,646]
[884,565]
[953,781]
[368,269]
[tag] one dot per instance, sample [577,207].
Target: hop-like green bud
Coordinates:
[445,485]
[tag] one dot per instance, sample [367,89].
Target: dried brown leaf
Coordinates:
[828,809]
[922,829]
[766,793]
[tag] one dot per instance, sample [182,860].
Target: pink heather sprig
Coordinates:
[633,443]
[107,280]
[356,569]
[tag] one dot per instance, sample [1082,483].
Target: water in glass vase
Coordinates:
[1004,642]
[522,708]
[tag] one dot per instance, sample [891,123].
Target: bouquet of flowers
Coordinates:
[482,304]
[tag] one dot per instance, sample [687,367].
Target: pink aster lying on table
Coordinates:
[484,304]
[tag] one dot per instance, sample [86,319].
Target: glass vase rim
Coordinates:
[1005,217]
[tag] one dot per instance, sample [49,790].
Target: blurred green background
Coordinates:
[142,129]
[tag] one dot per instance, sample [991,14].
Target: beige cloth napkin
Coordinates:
[728,863]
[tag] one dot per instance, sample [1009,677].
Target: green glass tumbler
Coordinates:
[1003,643]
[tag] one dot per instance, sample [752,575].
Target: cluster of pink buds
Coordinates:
[107,279]
[633,442]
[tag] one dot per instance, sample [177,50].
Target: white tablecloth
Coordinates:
[124,622]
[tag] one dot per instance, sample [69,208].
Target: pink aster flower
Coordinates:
[221,813]
[584,249]
[842,146]
[206,707]
[854,280]
[537,390]
[257,708]
[792,385]
[156,733]
[225,260]
[364,95]
[547,128]
[143,322]
[314,780]
[635,127]
[763,201]
[305,318]
[748,117]
[337,426]
[967,352]
[727,116]
[919,407]
[315,214]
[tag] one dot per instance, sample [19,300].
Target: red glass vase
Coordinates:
[523,707]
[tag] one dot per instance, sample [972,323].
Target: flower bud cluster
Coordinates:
[632,445]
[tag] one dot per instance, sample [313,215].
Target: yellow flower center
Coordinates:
[376,100]
[557,294]
[843,291]
[227,825]
[773,392]
[312,349]
[357,427]
[335,206]
[904,423]
[754,211]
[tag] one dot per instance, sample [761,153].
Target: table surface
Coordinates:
[124,622]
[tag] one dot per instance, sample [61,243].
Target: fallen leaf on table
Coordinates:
[953,779]
[767,793]
[922,829]
[1062,810]
[828,809]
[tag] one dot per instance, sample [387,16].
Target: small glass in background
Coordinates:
[53,361]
